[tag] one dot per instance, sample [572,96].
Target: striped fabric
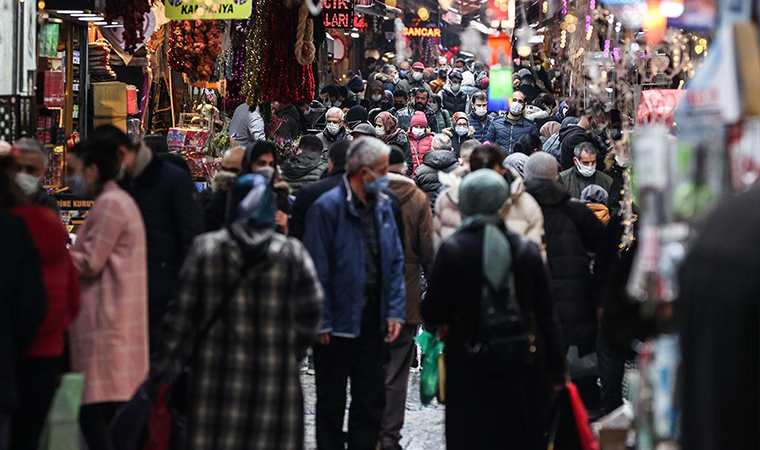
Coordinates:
[109,338]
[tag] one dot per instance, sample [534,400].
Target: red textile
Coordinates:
[586,436]
[283,78]
[419,147]
[60,278]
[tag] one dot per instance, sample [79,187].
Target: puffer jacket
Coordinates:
[503,133]
[415,157]
[426,175]
[457,140]
[480,128]
[454,103]
[523,213]
[303,169]
[446,217]
[572,232]
[404,117]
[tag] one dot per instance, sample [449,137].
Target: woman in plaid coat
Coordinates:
[245,391]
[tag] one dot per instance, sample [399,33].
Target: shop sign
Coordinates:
[199,9]
[422,32]
[338,13]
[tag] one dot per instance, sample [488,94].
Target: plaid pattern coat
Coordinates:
[245,391]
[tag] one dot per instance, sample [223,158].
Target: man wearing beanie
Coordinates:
[572,232]
[355,116]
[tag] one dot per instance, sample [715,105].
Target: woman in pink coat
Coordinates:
[420,141]
[109,339]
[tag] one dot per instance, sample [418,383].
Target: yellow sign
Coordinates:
[207,9]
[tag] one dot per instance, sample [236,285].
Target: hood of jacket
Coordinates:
[546,192]
[440,159]
[468,79]
[223,181]
[570,130]
[517,187]
[403,187]
[447,88]
[291,112]
[302,164]
[534,112]
[253,241]
[384,78]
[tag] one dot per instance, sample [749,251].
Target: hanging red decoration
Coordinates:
[295,83]
[193,47]
[132,13]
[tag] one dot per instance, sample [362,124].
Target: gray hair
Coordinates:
[587,147]
[467,148]
[388,68]
[334,111]
[32,146]
[363,152]
[441,142]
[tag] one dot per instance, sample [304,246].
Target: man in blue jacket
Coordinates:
[506,131]
[353,239]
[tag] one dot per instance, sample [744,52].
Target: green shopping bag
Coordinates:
[431,349]
[61,430]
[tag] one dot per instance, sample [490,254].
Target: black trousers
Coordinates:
[361,360]
[611,373]
[94,420]
[38,380]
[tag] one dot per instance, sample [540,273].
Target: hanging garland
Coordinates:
[132,13]
[255,44]
[193,47]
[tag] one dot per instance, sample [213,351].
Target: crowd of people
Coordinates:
[415,206]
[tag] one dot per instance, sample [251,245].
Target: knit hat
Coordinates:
[517,160]
[419,119]
[356,114]
[396,156]
[550,128]
[418,65]
[459,115]
[594,193]
[541,166]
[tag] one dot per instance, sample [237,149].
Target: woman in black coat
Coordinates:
[492,403]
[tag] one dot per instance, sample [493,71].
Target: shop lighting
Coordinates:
[355,35]
[69,11]
[52,20]
[671,8]
[100,23]
[91,19]
[83,15]
[113,26]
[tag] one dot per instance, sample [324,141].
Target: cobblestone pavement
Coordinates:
[423,426]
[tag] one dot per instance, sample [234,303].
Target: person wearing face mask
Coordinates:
[460,132]
[388,77]
[377,98]
[506,131]
[30,165]
[334,131]
[576,179]
[232,162]
[329,96]
[420,142]
[420,103]
[454,98]
[442,117]
[351,234]
[400,101]
[388,131]
[261,158]
[440,159]
[109,338]
[479,119]
[437,85]
[415,79]
[573,135]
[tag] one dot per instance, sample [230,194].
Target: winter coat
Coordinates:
[387,81]
[616,173]
[574,183]
[173,217]
[454,103]
[426,175]
[215,205]
[290,128]
[569,138]
[489,409]
[480,128]
[416,154]
[437,85]
[457,140]
[600,211]
[328,140]
[505,134]
[401,140]
[552,146]
[418,240]
[523,213]
[404,116]
[246,126]
[24,303]
[717,322]
[409,84]
[539,116]
[306,197]
[572,231]
[59,277]
[303,169]
[244,387]
[442,119]
[335,240]
[109,338]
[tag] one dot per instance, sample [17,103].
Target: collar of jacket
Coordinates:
[520,122]
[381,198]
[150,173]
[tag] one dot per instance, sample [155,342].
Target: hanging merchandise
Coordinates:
[255,46]
[295,81]
[193,48]
[133,14]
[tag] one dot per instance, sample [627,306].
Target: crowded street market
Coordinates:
[379,224]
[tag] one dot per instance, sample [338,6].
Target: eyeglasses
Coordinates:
[519,100]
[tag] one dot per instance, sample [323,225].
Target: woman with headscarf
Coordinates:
[258,295]
[387,130]
[460,132]
[496,393]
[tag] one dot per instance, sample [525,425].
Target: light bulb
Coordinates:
[654,24]
[671,8]
[524,50]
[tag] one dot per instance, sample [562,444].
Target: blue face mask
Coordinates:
[378,184]
[78,186]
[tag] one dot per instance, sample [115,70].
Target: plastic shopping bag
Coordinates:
[61,430]
[570,429]
[431,349]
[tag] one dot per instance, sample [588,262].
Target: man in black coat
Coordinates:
[717,314]
[441,158]
[23,305]
[165,194]
[572,232]
[574,135]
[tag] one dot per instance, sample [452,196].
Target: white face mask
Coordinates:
[417,76]
[461,130]
[396,78]
[481,111]
[418,132]
[267,172]
[585,171]
[622,161]
[455,87]
[332,128]
[516,108]
[28,183]
[379,130]
[327,103]
[377,97]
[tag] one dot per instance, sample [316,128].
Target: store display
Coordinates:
[16,117]
[133,15]
[193,47]
[99,54]
[53,91]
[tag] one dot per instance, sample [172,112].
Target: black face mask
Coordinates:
[399,105]
[419,106]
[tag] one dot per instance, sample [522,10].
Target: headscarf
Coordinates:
[550,128]
[459,115]
[482,195]
[252,202]
[390,125]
